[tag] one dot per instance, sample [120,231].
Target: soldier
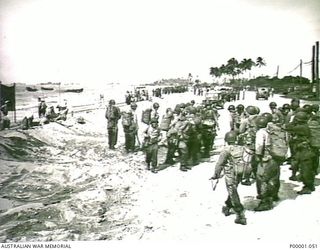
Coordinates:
[277,117]
[230,160]
[239,115]
[112,115]
[268,170]
[135,124]
[155,112]
[247,131]
[232,112]
[4,119]
[152,137]
[285,113]
[208,129]
[304,155]
[129,131]
[182,126]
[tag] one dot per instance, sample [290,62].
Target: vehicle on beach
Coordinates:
[214,97]
[262,92]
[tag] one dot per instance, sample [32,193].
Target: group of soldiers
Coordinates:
[258,144]
[187,131]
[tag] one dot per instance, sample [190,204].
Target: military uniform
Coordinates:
[151,138]
[268,172]
[230,160]
[304,156]
[112,115]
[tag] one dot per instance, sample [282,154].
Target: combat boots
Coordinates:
[240,219]
[227,211]
[305,190]
[263,207]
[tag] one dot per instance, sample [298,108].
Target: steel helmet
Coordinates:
[301,117]
[192,110]
[272,105]
[262,121]
[315,107]
[240,107]
[286,106]
[154,120]
[113,102]
[251,110]
[307,108]
[231,107]
[231,136]
[156,105]
[133,105]
[268,116]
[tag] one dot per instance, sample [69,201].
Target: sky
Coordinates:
[141,41]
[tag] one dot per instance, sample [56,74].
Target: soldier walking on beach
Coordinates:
[112,115]
[152,137]
[230,160]
[268,170]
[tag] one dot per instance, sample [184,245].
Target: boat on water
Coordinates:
[31,89]
[47,88]
[79,90]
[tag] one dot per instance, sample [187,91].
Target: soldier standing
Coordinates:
[152,137]
[248,130]
[230,160]
[268,170]
[304,155]
[112,115]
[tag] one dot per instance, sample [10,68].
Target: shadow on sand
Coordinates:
[287,192]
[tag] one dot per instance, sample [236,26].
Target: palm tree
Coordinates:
[246,64]
[215,72]
[233,67]
[260,62]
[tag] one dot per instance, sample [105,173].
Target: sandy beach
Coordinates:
[60,182]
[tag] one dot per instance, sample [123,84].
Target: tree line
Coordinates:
[234,68]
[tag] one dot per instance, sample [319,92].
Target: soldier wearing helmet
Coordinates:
[285,112]
[152,137]
[303,157]
[112,115]
[247,134]
[131,130]
[231,161]
[268,169]
[277,117]
[239,116]
[155,111]
[232,117]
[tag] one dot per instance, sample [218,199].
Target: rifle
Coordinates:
[214,186]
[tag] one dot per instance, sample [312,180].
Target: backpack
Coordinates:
[314,127]
[113,113]
[146,116]
[127,119]
[278,142]
[239,159]
[165,123]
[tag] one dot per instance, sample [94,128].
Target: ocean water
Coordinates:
[27,102]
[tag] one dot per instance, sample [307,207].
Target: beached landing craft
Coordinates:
[79,90]
[31,89]
[47,88]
